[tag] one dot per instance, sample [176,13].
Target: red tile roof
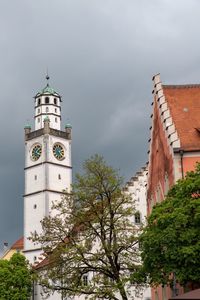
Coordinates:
[19,244]
[184,105]
[42,264]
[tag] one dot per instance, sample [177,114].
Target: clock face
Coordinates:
[36,152]
[58,151]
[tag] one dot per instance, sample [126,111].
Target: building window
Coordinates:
[35,206]
[35,258]
[38,111]
[55,101]
[59,176]
[137,218]
[85,280]
[55,110]
[56,120]
[47,109]
[166,187]
[39,101]
[46,100]
[35,177]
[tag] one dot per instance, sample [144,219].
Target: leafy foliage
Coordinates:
[171,241]
[91,232]
[15,278]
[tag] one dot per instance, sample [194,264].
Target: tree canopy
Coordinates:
[90,238]
[170,242]
[15,278]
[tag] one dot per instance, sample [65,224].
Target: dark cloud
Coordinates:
[101,55]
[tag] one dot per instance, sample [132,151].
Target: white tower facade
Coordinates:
[48,168]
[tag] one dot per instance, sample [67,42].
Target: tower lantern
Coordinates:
[47,103]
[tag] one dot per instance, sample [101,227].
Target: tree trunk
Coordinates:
[122,290]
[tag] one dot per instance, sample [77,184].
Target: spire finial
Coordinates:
[47,77]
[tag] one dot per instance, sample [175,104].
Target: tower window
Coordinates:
[47,109]
[46,100]
[39,101]
[38,120]
[35,258]
[38,111]
[35,177]
[85,280]
[55,101]
[55,110]
[59,176]
[35,206]
[137,218]
[56,120]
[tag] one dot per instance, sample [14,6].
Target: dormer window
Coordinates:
[55,101]
[46,100]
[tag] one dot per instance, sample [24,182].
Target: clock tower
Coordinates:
[48,169]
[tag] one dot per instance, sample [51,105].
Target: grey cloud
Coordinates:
[101,55]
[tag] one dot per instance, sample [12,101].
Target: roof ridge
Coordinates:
[180,86]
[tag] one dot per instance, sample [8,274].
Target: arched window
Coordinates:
[56,120]
[38,111]
[137,218]
[39,101]
[47,109]
[35,206]
[55,110]
[55,101]
[59,176]
[46,100]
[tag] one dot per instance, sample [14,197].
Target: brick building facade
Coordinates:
[174,143]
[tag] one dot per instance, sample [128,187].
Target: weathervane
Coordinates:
[47,77]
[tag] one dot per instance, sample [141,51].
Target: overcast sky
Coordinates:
[101,56]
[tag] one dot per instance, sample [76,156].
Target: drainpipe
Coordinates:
[181,154]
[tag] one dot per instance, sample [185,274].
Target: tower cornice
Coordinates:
[54,132]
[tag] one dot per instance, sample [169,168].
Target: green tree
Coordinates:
[15,278]
[170,242]
[91,233]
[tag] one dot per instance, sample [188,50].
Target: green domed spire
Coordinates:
[47,90]
[68,125]
[46,119]
[27,126]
